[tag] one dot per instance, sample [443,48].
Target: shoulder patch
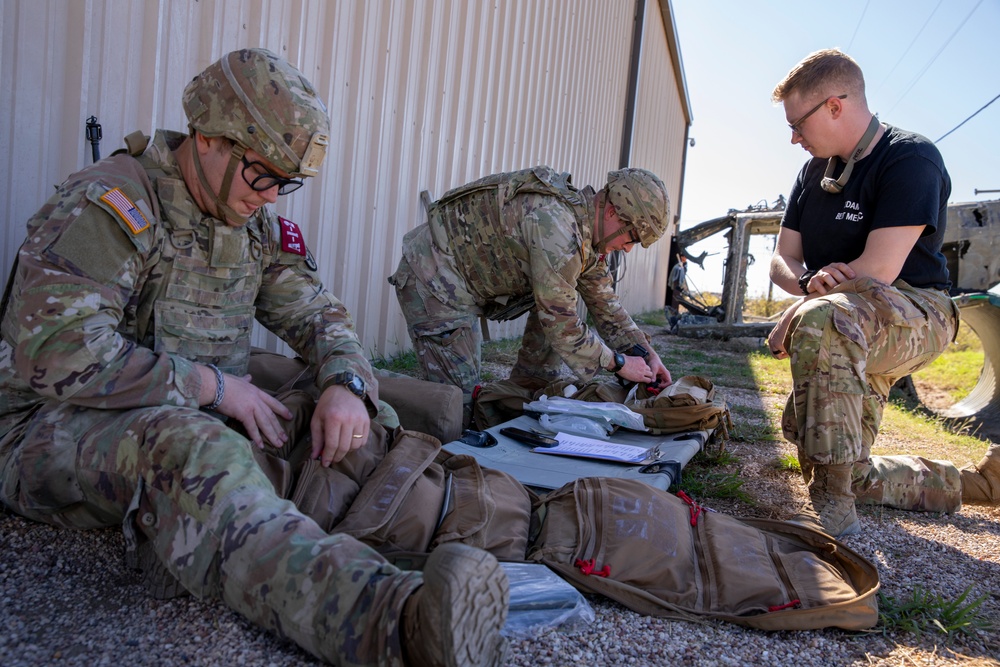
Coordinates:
[130,214]
[291,237]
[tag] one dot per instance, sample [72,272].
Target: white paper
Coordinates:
[591,448]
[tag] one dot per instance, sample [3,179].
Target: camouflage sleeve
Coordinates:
[550,231]
[79,275]
[611,319]
[294,305]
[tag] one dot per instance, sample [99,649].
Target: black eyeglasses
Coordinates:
[267,180]
[633,237]
[795,126]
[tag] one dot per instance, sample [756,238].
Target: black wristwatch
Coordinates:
[804,281]
[619,362]
[353,382]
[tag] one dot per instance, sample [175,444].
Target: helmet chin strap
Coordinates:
[835,186]
[601,244]
[222,210]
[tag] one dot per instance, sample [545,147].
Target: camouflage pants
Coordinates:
[446,337]
[847,350]
[538,364]
[191,486]
[448,340]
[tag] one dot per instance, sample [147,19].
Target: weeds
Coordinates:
[788,462]
[653,318]
[405,363]
[770,375]
[502,351]
[766,308]
[928,612]
[701,479]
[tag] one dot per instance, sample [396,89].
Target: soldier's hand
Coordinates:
[339,424]
[257,410]
[776,339]
[637,370]
[830,276]
[661,376]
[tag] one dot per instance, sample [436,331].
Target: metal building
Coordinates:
[423,95]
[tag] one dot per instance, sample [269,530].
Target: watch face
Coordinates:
[619,361]
[353,382]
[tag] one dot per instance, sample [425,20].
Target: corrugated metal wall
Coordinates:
[425,94]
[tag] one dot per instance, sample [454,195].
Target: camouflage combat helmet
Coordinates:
[640,199]
[261,102]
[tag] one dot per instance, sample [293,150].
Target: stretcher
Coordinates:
[668,456]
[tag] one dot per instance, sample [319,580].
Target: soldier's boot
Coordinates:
[455,618]
[832,501]
[154,575]
[981,483]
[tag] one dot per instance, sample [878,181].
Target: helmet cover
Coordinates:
[261,102]
[640,199]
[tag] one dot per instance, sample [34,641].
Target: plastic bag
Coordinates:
[615,413]
[540,600]
[589,427]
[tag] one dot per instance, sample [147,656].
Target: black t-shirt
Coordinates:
[902,182]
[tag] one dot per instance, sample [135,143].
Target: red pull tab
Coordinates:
[587,568]
[695,508]
[788,605]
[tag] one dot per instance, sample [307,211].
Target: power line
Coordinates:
[862,18]
[935,57]
[912,42]
[967,119]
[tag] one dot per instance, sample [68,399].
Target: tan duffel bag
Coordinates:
[666,556]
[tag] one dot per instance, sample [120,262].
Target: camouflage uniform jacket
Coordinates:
[112,303]
[520,233]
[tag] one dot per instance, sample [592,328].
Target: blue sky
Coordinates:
[929,65]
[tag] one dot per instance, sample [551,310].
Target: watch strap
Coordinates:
[619,362]
[354,383]
[804,281]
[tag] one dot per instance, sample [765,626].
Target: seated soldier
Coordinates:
[123,360]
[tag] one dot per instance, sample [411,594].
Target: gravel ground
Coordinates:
[67,599]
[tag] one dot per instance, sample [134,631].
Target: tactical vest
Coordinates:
[469,224]
[198,300]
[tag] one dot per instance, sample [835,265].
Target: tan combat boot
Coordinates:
[832,501]
[455,618]
[981,483]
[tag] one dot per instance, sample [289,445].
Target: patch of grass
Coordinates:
[759,306]
[771,376]
[967,339]
[788,462]
[702,479]
[653,318]
[405,363]
[955,372]
[928,612]
[926,434]
[753,425]
[502,351]
[722,369]
[701,484]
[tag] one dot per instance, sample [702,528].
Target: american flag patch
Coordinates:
[132,216]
